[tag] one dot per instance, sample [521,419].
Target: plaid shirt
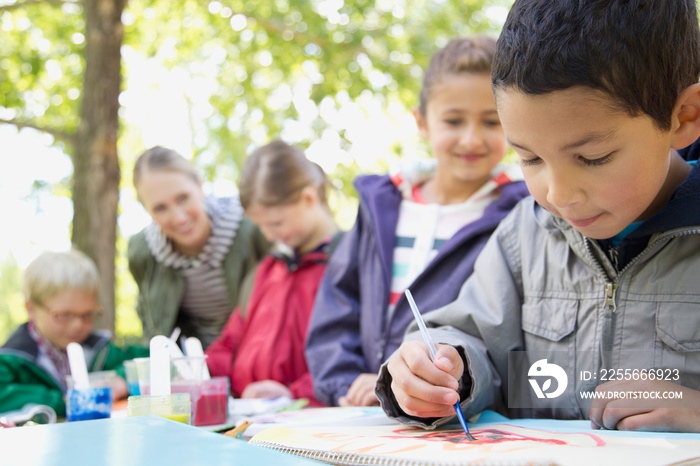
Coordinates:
[58,357]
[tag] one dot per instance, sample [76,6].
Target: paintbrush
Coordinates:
[433,351]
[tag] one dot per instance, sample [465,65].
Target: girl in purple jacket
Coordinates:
[419,228]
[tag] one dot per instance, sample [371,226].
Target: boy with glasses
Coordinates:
[60,291]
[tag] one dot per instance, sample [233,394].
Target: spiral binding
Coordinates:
[359,459]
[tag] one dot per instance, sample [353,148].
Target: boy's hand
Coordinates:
[266,389]
[120,389]
[361,392]
[668,415]
[421,387]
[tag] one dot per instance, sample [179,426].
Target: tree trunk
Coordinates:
[96,172]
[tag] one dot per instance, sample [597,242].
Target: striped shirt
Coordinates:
[422,228]
[205,305]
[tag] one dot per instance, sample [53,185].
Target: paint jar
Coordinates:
[98,379]
[212,405]
[132,377]
[185,377]
[90,403]
[176,406]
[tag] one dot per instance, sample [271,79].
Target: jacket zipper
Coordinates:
[611,287]
[610,306]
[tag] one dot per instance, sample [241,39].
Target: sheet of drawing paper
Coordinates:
[511,442]
[336,416]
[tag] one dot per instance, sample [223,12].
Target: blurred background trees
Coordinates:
[99,81]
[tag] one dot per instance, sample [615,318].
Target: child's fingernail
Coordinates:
[454,385]
[446,362]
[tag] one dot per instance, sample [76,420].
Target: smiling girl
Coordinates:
[420,228]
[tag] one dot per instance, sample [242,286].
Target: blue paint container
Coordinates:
[92,403]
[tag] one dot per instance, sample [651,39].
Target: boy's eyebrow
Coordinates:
[585,139]
[589,138]
[460,111]
[519,146]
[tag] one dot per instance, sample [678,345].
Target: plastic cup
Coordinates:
[132,377]
[212,405]
[98,379]
[176,406]
[91,403]
[185,377]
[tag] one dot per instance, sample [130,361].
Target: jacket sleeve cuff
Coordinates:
[476,393]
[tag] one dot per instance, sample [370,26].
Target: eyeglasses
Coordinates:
[64,317]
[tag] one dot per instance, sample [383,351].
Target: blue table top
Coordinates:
[140,440]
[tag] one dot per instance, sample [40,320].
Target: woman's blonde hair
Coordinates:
[276,173]
[159,158]
[52,273]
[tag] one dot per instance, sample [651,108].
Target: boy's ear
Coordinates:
[686,117]
[420,122]
[31,309]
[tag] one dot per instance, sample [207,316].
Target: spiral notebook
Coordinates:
[317,417]
[499,441]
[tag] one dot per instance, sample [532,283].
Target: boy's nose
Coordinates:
[563,191]
[76,325]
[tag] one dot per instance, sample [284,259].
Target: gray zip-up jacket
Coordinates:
[540,286]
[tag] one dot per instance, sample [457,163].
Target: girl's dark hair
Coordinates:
[460,55]
[276,173]
[641,53]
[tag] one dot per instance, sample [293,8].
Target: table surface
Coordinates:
[140,440]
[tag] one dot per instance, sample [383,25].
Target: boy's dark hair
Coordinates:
[642,53]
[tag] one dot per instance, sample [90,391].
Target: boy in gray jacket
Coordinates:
[585,302]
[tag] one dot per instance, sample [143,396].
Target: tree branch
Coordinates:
[27,3]
[56,133]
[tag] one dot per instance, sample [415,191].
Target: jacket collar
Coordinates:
[381,199]
[22,343]
[682,210]
[319,255]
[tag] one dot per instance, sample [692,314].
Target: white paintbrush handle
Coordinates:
[78,367]
[160,365]
[193,347]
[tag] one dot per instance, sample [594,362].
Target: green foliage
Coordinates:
[273,69]
[266,61]
[42,64]
[12,312]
